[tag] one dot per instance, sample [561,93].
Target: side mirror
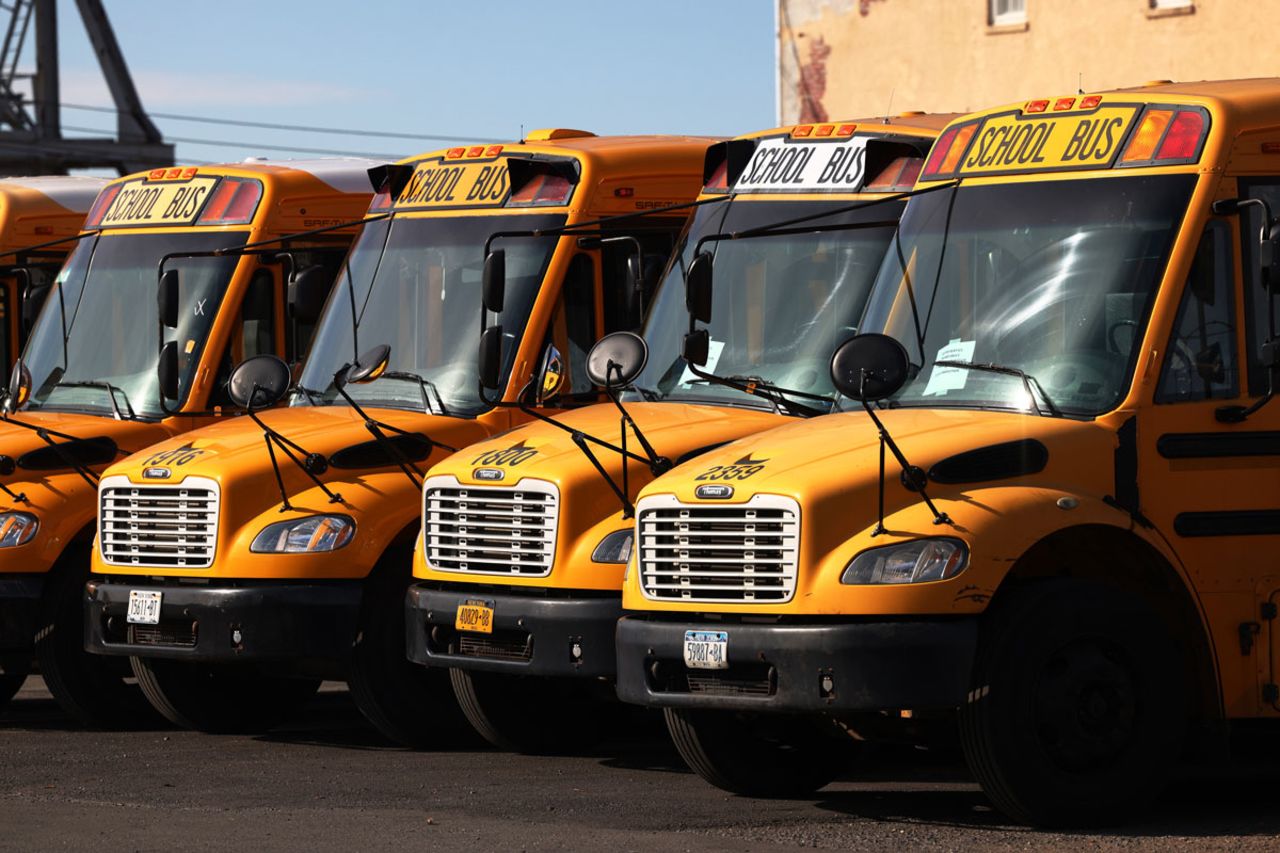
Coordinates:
[617,359]
[869,367]
[258,382]
[697,347]
[491,357]
[369,366]
[493,281]
[550,376]
[33,298]
[167,299]
[308,289]
[19,387]
[697,287]
[167,370]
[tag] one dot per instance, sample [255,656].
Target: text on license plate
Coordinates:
[144,607]
[474,616]
[706,649]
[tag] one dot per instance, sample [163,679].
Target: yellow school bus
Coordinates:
[1043,511]
[178,274]
[497,247]
[39,219]
[794,222]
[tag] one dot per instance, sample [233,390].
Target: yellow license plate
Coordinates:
[477,618]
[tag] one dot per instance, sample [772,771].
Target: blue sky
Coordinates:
[477,69]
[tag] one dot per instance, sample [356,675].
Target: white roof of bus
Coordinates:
[74,192]
[344,174]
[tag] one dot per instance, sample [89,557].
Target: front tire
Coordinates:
[759,755]
[220,699]
[13,672]
[1077,711]
[537,716]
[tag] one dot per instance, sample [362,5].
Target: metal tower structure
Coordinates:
[31,141]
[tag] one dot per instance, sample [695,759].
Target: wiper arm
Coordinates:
[310,393]
[1029,382]
[776,395]
[47,435]
[649,395]
[112,391]
[423,385]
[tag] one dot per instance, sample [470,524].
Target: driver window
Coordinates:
[573,326]
[1200,360]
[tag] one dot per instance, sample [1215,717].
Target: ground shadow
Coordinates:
[40,713]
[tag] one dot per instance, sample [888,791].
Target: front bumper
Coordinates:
[19,611]
[563,637]
[847,666]
[262,622]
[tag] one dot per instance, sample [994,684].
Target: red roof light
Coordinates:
[1183,136]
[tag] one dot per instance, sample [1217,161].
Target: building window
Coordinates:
[1170,4]
[1005,13]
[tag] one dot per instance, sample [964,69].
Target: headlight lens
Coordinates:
[908,562]
[17,528]
[614,548]
[303,535]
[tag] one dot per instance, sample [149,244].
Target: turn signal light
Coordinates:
[1143,145]
[1183,137]
[100,206]
[545,189]
[233,203]
[1166,135]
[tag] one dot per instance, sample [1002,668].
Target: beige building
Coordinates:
[846,58]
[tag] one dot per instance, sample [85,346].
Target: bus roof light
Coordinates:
[1183,136]
[100,205]
[1064,104]
[846,129]
[803,130]
[455,153]
[824,130]
[899,174]
[1143,144]
[719,179]
[1090,101]
[493,151]
[1037,106]
[624,192]
[232,203]
[939,152]
[475,151]
[952,161]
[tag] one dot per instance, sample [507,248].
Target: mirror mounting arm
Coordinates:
[658,465]
[913,478]
[306,465]
[375,427]
[628,511]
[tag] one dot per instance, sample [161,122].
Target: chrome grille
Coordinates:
[719,552]
[165,526]
[490,529]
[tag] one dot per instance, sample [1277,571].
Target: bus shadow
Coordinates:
[40,713]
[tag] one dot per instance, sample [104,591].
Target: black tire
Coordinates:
[13,672]
[760,755]
[1078,706]
[536,716]
[225,699]
[90,688]
[409,704]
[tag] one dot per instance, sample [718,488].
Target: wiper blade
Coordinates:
[423,385]
[1029,382]
[649,394]
[310,393]
[112,391]
[775,394]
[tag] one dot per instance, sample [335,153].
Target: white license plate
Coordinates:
[144,607]
[706,649]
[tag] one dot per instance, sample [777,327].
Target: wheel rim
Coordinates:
[1086,709]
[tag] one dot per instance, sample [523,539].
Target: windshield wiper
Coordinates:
[759,388]
[1029,382]
[112,391]
[423,385]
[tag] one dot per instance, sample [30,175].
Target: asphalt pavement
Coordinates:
[327,781]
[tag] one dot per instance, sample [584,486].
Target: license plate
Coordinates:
[475,616]
[144,607]
[706,649]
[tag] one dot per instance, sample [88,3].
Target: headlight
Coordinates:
[301,535]
[614,548]
[17,528]
[908,562]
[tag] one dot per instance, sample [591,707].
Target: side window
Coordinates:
[624,309]
[573,324]
[253,334]
[1200,360]
[298,333]
[1256,307]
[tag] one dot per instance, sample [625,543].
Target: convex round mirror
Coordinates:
[370,365]
[869,367]
[19,386]
[550,375]
[616,359]
[259,382]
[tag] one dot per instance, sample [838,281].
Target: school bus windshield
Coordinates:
[780,304]
[101,324]
[1053,278]
[414,284]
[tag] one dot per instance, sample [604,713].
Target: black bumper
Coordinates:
[567,637]
[263,622]
[851,666]
[19,611]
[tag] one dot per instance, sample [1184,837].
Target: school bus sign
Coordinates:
[1017,142]
[438,184]
[146,202]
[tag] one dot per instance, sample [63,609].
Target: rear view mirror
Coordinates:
[617,359]
[167,299]
[493,280]
[258,382]
[369,366]
[697,347]
[697,287]
[491,357]
[167,370]
[550,376]
[869,367]
[308,289]
[33,298]
[19,387]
